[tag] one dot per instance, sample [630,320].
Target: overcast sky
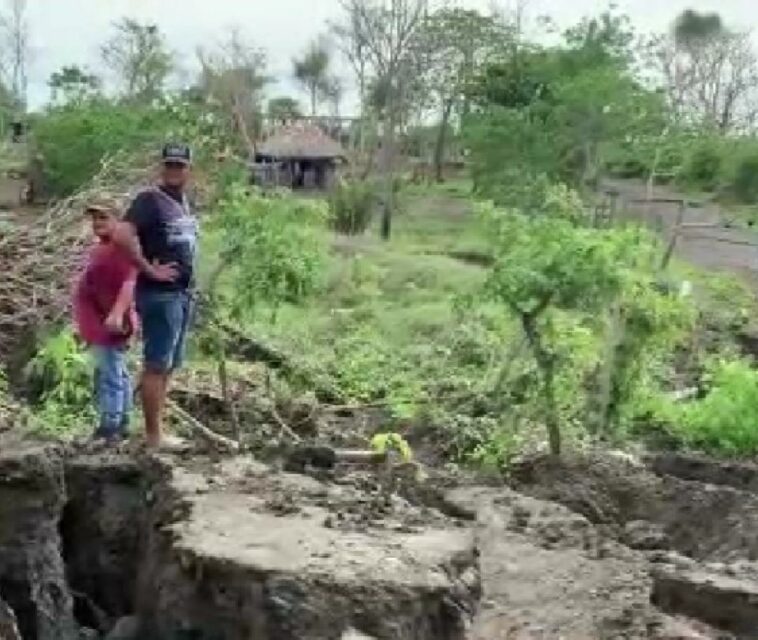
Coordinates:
[69,31]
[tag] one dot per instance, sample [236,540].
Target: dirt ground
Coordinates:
[682,522]
[593,547]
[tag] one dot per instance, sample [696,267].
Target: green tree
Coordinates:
[74,139]
[284,108]
[270,253]
[456,43]
[597,108]
[139,57]
[547,263]
[73,84]
[643,322]
[312,71]
[607,39]
[559,110]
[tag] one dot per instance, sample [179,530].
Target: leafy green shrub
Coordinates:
[627,166]
[703,167]
[384,442]
[367,368]
[59,378]
[73,140]
[270,249]
[725,420]
[546,264]
[744,184]
[351,205]
[649,327]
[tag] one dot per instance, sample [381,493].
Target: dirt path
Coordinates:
[548,573]
[718,248]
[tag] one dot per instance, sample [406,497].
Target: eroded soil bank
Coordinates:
[161,548]
[118,547]
[692,520]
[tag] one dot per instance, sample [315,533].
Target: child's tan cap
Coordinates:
[103,204]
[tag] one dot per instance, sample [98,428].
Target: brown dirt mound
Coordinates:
[704,521]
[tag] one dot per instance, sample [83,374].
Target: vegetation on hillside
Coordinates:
[497,315]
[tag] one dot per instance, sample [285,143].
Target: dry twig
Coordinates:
[200,429]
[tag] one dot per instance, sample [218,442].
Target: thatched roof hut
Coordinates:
[298,155]
[300,141]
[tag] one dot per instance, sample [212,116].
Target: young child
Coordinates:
[105,319]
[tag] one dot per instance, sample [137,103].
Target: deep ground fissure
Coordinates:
[224,550]
[235,549]
[101,531]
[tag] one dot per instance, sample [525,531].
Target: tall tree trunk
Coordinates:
[439,150]
[388,171]
[552,421]
[606,399]
[241,122]
[546,364]
[314,90]
[226,392]
[362,129]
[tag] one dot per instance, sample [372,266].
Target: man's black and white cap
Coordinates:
[177,152]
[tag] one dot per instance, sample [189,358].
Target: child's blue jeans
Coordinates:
[113,391]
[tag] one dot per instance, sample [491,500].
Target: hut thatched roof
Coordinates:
[304,141]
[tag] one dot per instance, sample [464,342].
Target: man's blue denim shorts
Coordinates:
[165,318]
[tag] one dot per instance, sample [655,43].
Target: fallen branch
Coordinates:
[285,428]
[360,456]
[200,429]
[252,350]
[325,457]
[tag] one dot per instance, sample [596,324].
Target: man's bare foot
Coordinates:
[168,444]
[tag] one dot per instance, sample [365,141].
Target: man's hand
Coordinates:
[115,323]
[163,272]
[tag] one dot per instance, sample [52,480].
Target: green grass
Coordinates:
[440,217]
[389,321]
[723,421]
[401,323]
[741,216]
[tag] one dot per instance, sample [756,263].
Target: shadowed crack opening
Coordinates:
[17,595]
[100,531]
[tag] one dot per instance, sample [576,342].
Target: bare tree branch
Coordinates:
[233,74]
[138,55]
[385,32]
[710,78]
[15,35]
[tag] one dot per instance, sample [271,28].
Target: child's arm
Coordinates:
[115,320]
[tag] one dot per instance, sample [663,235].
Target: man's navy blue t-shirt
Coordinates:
[167,232]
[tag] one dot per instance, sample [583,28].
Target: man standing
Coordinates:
[160,234]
